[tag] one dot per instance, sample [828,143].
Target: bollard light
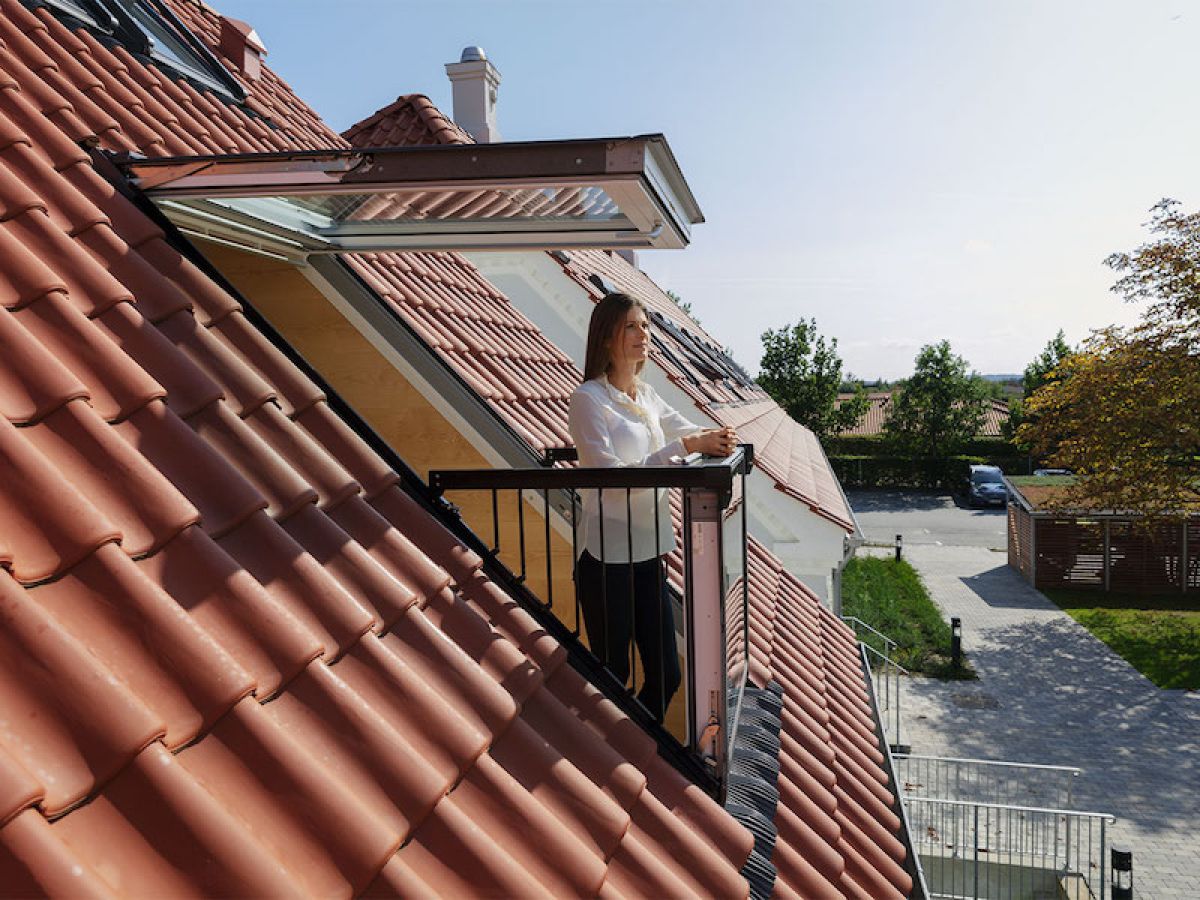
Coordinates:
[956,643]
[899,538]
[1122,873]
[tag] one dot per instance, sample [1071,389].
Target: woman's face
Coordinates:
[630,344]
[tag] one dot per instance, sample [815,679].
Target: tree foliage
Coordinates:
[1124,411]
[1045,367]
[802,372]
[940,407]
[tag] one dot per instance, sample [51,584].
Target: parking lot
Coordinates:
[926,517]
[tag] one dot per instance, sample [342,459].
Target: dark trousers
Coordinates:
[613,616]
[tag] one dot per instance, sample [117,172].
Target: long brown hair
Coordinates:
[607,317]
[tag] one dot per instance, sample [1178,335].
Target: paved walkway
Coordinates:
[1048,692]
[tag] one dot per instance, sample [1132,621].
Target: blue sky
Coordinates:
[902,172]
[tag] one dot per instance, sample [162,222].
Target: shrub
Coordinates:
[950,474]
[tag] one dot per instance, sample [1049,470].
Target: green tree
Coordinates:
[802,372]
[939,408]
[1045,367]
[1122,411]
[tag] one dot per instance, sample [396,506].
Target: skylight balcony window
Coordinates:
[602,193]
[149,29]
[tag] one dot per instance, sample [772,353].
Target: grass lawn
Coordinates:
[1159,635]
[890,596]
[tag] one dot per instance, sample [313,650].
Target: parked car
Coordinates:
[986,487]
[1049,473]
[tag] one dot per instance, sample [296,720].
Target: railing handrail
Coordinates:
[890,642]
[1083,814]
[887,659]
[704,473]
[990,762]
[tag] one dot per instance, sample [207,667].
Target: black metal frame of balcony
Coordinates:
[717,635]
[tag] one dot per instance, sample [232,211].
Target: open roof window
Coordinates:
[602,193]
[148,28]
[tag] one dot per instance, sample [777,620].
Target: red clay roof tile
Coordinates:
[147,642]
[267,641]
[283,487]
[70,724]
[387,597]
[241,386]
[116,386]
[299,583]
[33,382]
[142,504]
[223,496]
[49,525]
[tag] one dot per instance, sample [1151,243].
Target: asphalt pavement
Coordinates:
[924,517]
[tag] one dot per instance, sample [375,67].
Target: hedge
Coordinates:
[949,473]
[877,445]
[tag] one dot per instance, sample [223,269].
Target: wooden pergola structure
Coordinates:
[1098,550]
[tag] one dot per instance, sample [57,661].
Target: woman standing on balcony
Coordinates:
[616,419]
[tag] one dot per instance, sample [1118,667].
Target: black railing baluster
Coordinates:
[549,565]
[575,508]
[521,529]
[661,599]
[632,594]
[603,583]
[495,523]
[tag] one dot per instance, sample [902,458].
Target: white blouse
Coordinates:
[612,429]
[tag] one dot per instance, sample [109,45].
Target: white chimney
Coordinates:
[475,82]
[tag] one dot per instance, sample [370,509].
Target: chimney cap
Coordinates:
[473,54]
[246,30]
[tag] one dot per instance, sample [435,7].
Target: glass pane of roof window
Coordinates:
[152,28]
[83,11]
[620,192]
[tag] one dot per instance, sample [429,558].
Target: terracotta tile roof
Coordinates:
[411,119]
[879,409]
[242,657]
[244,660]
[498,352]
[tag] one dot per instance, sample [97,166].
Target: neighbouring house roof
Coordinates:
[411,119]
[238,656]
[879,410]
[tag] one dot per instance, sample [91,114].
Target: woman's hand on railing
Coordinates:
[712,442]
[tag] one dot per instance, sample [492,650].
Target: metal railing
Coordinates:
[993,829]
[970,849]
[885,673]
[708,578]
[986,781]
